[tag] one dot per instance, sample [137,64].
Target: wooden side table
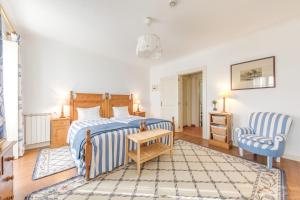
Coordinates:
[59,131]
[145,153]
[220,130]
[141,114]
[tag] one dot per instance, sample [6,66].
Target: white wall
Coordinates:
[281,41]
[52,69]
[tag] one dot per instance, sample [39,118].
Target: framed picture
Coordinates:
[253,74]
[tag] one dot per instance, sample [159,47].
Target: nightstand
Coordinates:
[59,131]
[141,114]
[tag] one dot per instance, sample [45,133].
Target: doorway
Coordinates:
[191,106]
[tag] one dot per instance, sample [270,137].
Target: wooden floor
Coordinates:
[193,131]
[23,183]
[24,166]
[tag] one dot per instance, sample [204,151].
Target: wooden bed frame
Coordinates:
[106,102]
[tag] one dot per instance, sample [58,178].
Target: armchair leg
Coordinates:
[241,152]
[278,159]
[270,160]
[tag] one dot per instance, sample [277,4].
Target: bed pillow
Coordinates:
[121,112]
[89,113]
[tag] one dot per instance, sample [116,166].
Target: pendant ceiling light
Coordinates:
[148,45]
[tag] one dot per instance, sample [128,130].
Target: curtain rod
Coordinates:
[7,21]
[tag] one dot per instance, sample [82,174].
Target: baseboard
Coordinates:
[38,145]
[291,157]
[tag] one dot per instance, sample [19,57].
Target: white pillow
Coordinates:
[120,112]
[88,113]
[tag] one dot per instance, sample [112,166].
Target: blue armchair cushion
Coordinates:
[256,138]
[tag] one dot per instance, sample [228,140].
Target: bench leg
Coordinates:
[138,163]
[126,148]
[241,152]
[171,145]
[270,160]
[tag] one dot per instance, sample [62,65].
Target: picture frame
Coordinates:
[253,74]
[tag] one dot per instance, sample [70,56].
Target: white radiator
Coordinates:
[37,130]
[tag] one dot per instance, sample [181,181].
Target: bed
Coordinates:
[98,146]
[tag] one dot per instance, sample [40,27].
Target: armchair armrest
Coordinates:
[238,132]
[243,130]
[278,140]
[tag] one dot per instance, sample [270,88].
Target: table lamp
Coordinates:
[138,102]
[63,102]
[62,114]
[224,95]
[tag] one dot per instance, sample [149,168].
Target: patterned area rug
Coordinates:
[195,172]
[52,161]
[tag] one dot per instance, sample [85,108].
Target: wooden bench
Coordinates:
[145,153]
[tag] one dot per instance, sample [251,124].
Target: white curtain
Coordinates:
[21,135]
[2,114]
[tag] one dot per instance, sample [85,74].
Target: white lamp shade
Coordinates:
[137,101]
[148,46]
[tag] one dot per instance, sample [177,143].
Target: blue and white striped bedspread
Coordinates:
[108,150]
[127,120]
[77,125]
[79,140]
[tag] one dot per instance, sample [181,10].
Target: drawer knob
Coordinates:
[8,178]
[8,158]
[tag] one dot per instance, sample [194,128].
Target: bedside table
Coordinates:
[141,114]
[59,131]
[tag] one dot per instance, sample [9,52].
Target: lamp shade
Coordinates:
[137,101]
[148,46]
[225,94]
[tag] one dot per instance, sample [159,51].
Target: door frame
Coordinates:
[202,69]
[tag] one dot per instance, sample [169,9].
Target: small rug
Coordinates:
[194,172]
[52,161]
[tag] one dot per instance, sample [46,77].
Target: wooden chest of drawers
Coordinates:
[220,130]
[59,131]
[6,171]
[141,114]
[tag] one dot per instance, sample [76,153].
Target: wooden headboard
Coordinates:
[118,100]
[87,100]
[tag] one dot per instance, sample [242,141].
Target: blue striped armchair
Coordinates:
[266,135]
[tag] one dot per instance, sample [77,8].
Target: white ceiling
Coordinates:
[111,27]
